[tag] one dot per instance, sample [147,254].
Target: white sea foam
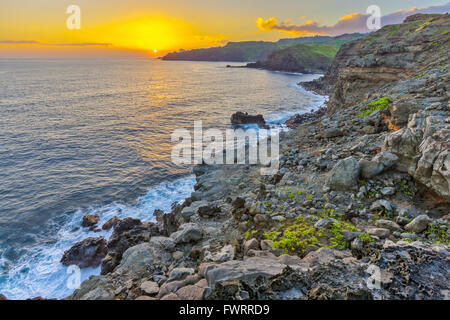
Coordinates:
[39,272]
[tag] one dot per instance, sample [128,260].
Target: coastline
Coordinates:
[72,232]
[357,210]
[342,219]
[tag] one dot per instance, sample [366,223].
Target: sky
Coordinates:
[38,28]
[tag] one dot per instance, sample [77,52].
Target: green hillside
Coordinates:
[304,58]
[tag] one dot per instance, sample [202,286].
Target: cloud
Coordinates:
[18,42]
[81,44]
[354,22]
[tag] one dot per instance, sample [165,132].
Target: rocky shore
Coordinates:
[359,209]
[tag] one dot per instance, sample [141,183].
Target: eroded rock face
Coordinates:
[403,271]
[364,66]
[423,147]
[87,253]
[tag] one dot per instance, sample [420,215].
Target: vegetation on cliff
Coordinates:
[304,58]
[247,51]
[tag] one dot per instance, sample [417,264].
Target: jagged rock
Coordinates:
[95,288]
[144,256]
[110,223]
[194,208]
[127,233]
[245,118]
[86,253]
[224,254]
[238,203]
[208,211]
[188,232]
[247,269]
[401,271]
[251,244]
[345,174]
[90,220]
[299,119]
[180,273]
[174,286]
[324,223]
[381,205]
[388,191]
[419,224]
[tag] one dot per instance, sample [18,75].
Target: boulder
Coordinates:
[345,174]
[370,169]
[188,232]
[150,287]
[379,232]
[127,233]
[247,269]
[388,224]
[86,253]
[381,205]
[332,133]
[324,223]
[180,273]
[191,292]
[189,211]
[251,244]
[110,223]
[381,162]
[245,118]
[224,254]
[419,224]
[90,220]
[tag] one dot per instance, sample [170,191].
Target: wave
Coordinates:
[39,272]
[279,117]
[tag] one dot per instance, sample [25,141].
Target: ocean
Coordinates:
[82,136]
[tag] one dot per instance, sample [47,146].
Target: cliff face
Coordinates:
[302,58]
[409,65]
[393,53]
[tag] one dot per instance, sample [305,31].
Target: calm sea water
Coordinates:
[93,136]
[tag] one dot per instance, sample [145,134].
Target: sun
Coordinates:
[155,51]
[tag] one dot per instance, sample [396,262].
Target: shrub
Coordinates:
[379,104]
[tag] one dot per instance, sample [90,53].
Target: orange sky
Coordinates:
[38,28]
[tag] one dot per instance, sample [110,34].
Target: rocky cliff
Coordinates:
[303,58]
[409,65]
[359,208]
